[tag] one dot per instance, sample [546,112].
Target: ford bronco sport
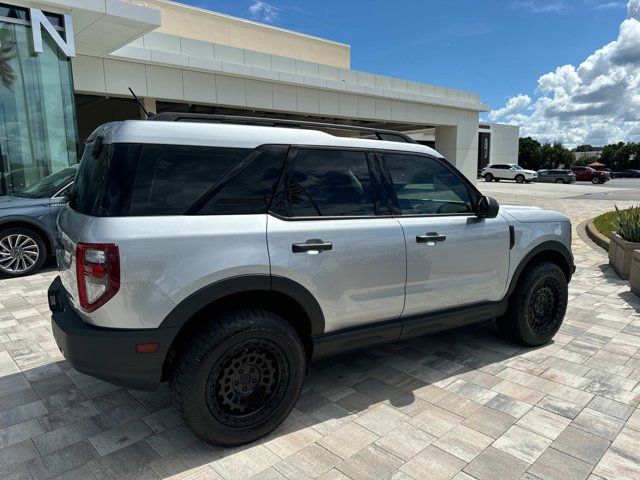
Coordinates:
[223,258]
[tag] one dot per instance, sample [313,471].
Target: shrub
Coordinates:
[627,224]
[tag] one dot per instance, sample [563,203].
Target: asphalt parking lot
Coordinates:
[463,404]
[620,189]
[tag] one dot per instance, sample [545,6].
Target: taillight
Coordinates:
[98,271]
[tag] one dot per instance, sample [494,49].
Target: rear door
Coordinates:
[454,258]
[330,231]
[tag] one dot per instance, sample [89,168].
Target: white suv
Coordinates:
[224,258]
[508,171]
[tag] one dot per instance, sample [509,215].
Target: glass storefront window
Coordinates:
[37,115]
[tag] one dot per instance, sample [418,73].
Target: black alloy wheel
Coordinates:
[543,306]
[247,382]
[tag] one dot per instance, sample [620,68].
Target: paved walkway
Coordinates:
[464,404]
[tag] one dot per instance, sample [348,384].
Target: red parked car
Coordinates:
[588,174]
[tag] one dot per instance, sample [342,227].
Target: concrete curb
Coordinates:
[596,236]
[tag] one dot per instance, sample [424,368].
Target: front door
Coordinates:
[329,232]
[454,258]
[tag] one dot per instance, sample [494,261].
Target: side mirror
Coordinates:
[488,207]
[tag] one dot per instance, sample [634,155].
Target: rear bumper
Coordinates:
[106,353]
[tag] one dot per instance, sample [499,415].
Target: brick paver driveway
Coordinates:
[463,404]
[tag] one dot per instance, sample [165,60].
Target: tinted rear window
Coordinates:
[170,179]
[103,184]
[149,180]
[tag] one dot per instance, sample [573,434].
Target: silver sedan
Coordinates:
[556,176]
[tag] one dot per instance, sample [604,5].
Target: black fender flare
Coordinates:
[195,302]
[553,246]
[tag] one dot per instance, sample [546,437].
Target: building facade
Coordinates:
[181,58]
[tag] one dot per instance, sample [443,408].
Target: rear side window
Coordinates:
[171,178]
[326,183]
[152,180]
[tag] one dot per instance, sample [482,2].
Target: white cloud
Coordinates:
[538,6]
[263,11]
[608,5]
[597,102]
[514,106]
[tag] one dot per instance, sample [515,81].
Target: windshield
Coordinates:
[517,167]
[50,185]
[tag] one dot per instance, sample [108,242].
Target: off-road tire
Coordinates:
[36,238]
[197,392]
[520,178]
[518,324]
[488,177]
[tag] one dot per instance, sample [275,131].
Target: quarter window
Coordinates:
[424,186]
[171,178]
[321,183]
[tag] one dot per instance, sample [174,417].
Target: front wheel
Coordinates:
[560,180]
[537,307]
[520,178]
[239,378]
[595,180]
[488,177]
[22,252]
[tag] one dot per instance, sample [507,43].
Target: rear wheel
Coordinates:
[537,307]
[595,180]
[488,177]
[22,252]
[239,378]
[560,180]
[520,178]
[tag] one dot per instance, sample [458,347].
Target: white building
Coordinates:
[180,58]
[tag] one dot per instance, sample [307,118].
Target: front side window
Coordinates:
[424,186]
[326,183]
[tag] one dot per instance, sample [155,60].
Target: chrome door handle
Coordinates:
[431,237]
[311,245]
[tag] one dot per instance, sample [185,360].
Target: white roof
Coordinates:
[238,136]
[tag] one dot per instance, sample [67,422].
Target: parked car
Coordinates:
[588,174]
[223,258]
[627,174]
[508,171]
[27,221]
[556,176]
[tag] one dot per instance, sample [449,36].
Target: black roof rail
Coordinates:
[380,134]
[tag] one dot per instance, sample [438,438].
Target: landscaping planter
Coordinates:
[634,277]
[621,255]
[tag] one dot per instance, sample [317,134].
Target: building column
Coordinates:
[459,145]
[149,104]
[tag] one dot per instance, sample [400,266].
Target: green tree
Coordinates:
[553,155]
[585,148]
[615,156]
[529,153]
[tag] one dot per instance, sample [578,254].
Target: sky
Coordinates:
[564,70]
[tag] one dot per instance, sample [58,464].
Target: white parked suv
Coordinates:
[223,258]
[508,171]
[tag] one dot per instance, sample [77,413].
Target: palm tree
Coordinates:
[7,53]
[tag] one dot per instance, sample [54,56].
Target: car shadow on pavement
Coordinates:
[415,381]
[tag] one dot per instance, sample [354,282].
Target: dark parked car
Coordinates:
[628,174]
[556,176]
[588,174]
[27,221]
